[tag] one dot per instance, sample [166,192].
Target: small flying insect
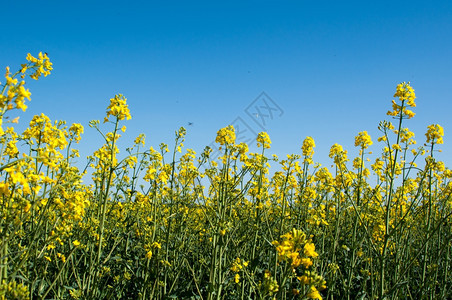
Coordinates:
[190,123]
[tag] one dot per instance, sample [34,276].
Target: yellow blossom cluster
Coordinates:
[435,134]
[296,249]
[226,136]
[263,140]
[291,245]
[308,147]
[363,140]
[406,95]
[237,267]
[41,65]
[118,108]
[13,92]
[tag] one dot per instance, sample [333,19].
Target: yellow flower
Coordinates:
[156,245]
[237,278]
[27,207]
[150,173]
[23,93]
[11,149]
[304,279]
[309,250]
[382,138]
[226,135]
[314,294]
[75,131]
[363,140]
[308,146]
[338,154]
[406,95]
[435,134]
[405,92]
[263,140]
[41,65]
[62,257]
[139,139]
[409,113]
[397,147]
[306,262]
[118,108]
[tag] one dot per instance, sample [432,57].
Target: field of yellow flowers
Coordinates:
[172,224]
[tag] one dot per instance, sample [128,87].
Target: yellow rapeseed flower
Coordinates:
[308,146]
[263,140]
[118,108]
[363,140]
[314,294]
[226,135]
[309,250]
[306,262]
[237,278]
[435,134]
[406,95]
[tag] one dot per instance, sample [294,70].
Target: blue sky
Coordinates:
[330,66]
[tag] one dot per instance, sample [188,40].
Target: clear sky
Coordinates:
[330,67]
